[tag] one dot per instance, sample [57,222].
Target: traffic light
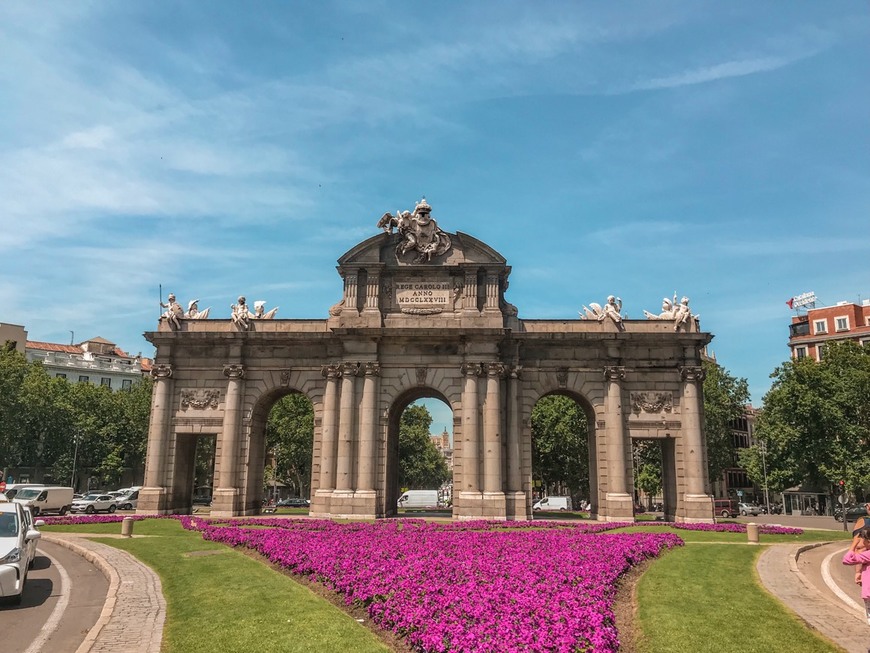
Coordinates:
[842,485]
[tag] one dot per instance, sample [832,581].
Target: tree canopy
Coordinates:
[421,465]
[290,437]
[725,399]
[815,423]
[560,452]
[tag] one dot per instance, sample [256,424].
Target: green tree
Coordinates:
[816,420]
[421,465]
[725,399]
[648,466]
[560,451]
[290,438]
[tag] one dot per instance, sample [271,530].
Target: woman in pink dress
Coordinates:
[859,554]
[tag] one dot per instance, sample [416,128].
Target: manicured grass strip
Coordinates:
[700,598]
[221,600]
[738,538]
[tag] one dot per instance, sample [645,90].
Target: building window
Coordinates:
[126,384]
[800,352]
[60,375]
[106,381]
[820,326]
[83,378]
[820,352]
[842,323]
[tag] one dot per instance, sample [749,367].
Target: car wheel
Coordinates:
[113,508]
[35,511]
[63,510]
[725,513]
[90,510]
[127,506]
[743,512]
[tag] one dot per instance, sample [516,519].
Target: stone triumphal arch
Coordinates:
[424,313]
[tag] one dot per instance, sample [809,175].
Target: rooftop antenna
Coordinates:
[72,337]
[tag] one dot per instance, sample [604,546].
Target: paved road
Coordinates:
[63,598]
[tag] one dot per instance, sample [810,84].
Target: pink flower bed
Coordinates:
[456,587]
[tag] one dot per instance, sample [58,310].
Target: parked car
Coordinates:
[17,548]
[95,503]
[129,500]
[852,512]
[294,503]
[14,488]
[725,508]
[749,509]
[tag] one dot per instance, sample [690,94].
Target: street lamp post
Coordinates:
[764,471]
[72,477]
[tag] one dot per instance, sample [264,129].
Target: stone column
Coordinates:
[226,495]
[368,445]
[514,433]
[492,435]
[469,299]
[327,431]
[346,426]
[470,431]
[697,504]
[153,495]
[619,500]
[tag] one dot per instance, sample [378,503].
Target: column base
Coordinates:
[225,503]
[152,501]
[696,509]
[517,507]
[493,506]
[619,506]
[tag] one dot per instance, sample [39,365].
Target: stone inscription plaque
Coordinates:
[423,294]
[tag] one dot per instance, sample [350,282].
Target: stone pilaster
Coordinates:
[492,292]
[350,293]
[328,432]
[373,286]
[226,495]
[346,428]
[697,504]
[368,445]
[618,499]
[470,433]
[469,299]
[152,497]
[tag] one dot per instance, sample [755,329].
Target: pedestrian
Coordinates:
[859,555]
[860,524]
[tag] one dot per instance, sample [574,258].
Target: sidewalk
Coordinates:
[133,615]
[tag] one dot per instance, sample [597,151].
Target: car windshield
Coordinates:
[90,497]
[28,494]
[8,524]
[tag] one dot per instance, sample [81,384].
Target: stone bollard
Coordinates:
[752,533]
[127,527]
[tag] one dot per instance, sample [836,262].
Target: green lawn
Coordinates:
[704,596]
[221,600]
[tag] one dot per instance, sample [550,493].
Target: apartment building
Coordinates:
[809,332]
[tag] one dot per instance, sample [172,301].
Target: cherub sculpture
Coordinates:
[193,312]
[241,314]
[173,313]
[678,312]
[260,312]
[611,310]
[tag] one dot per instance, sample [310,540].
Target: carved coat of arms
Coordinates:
[419,232]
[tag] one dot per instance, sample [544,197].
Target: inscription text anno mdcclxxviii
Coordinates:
[423,293]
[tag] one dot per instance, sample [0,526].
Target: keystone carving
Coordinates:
[285,378]
[652,402]
[562,377]
[421,375]
[200,399]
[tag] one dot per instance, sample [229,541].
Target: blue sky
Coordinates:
[719,150]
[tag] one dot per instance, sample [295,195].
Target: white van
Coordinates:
[419,499]
[46,499]
[553,503]
[13,488]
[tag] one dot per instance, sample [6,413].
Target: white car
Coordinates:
[128,501]
[17,549]
[749,509]
[92,503]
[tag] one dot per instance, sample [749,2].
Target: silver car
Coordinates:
[749,509]
[17,549]
[92,503]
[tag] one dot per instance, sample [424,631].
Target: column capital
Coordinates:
[516,372]
[161,371]
[692,373]
[614,373]
[471,369]
[330,371]
[495,369]
[349,369]
[234,371]
[370,369]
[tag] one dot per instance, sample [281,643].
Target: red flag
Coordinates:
[790,303]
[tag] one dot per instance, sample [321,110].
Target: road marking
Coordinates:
[53,620]
[832,585]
